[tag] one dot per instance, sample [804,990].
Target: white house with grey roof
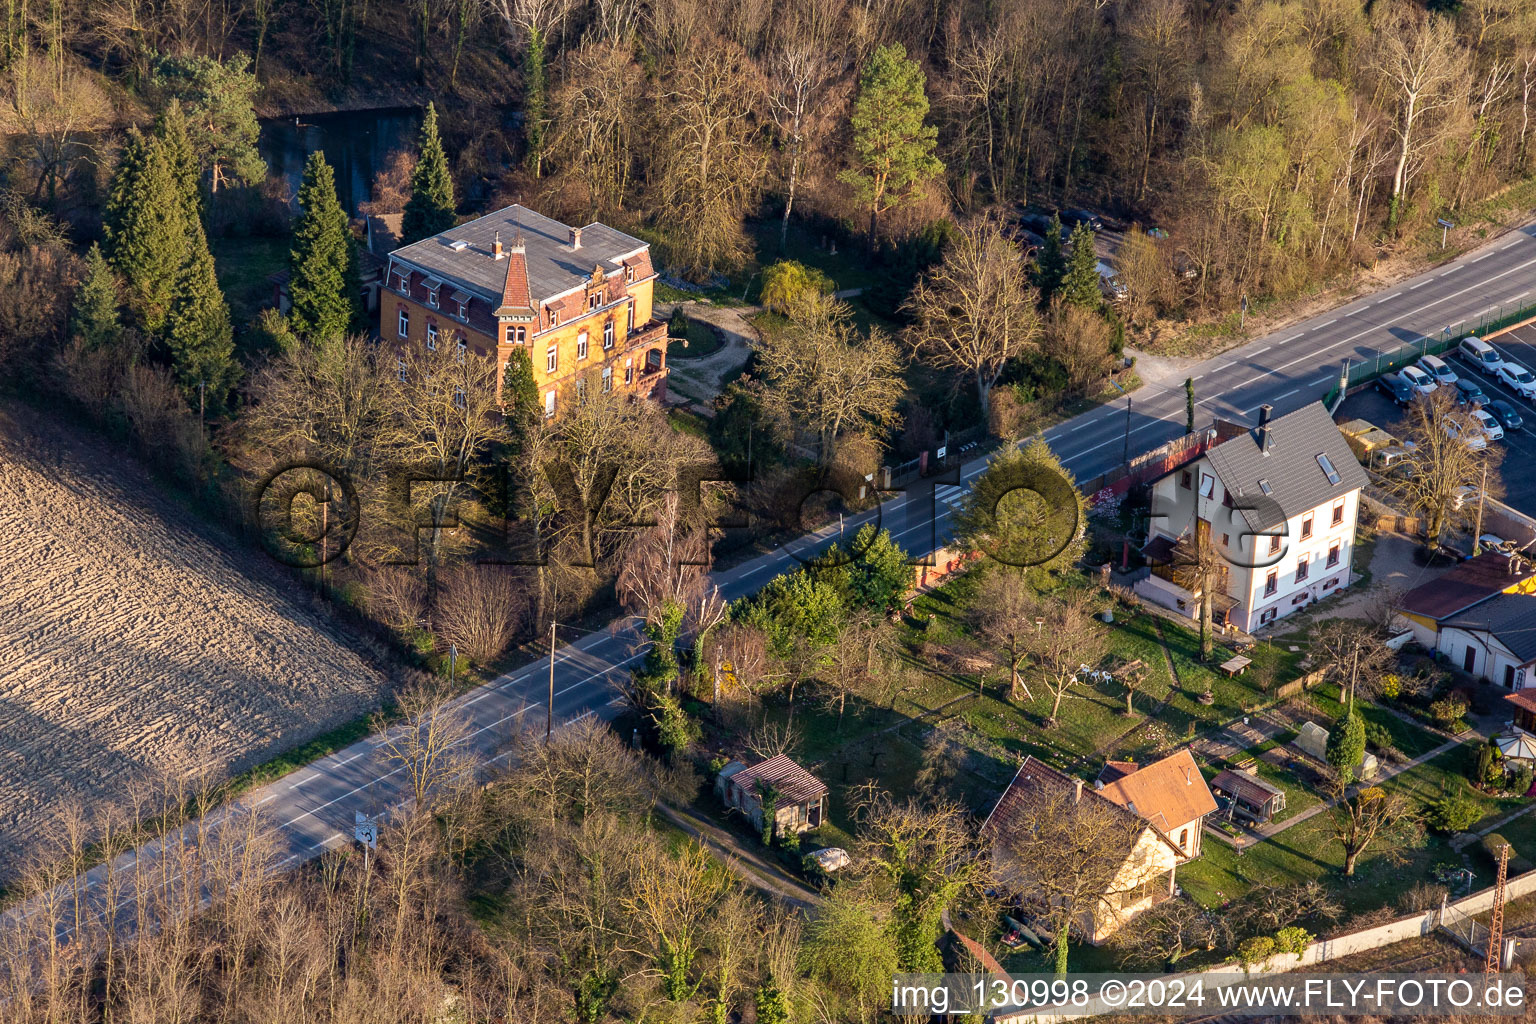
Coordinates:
[1495,640]
[1278,501]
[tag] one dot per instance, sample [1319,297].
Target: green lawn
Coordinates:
[702,340]
[1445,774]
[1412,739]
[242,265]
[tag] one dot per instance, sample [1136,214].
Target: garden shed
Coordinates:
[1248,796]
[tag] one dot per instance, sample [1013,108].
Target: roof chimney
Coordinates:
[496,252]
[1077,790]
[1264,411]
[575,238]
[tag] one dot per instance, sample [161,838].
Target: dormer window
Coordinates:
[432,294]
[554,316]
[594,300]
[629,275]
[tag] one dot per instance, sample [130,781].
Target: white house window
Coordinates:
[581,388]
[432,297]
[551,359]
[629,371]
[1274,544]
[1333,555]
[1303,566]
[607,378]
[549,403]
[1207,485]
[459,398]
[594,300]
[1338,513]
[581,344]
[405,322]
[629,323]
[400,369]
[554,316]
[1306,527]
[431,335]
[629,275]
[607,335]
[1271,583]
[463,348]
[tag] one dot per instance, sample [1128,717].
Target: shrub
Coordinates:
[787,283]
[1346,745]
[1378,735]
[1447,711]
[1293,940]
[1488,771]
[1254,950]
[1391,686]
[677,326]
[1521,778]
[1454,813]
[1423,896]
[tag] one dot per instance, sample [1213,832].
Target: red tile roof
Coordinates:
[515,297]
[1169,793]
[1523,699]
[1035,777]
[1470,583]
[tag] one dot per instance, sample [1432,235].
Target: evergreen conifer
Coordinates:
[431,206]
[320,260]
[93,315]
[146,229]
[1080,284]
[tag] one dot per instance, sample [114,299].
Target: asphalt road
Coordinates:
[313,808]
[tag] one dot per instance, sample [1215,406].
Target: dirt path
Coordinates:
[751,868]
[700,379]
[136,645]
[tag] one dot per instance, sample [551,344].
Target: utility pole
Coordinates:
[549,719]
[1496,920]
[1126,453]
[1482,496]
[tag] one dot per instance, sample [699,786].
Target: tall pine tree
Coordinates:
[198,331]
[535,100]
[431,206]
[1080,284]
[1051,265]
[147,229]
[321,257]
[892,142]
[520,396]
[175,137]
[93,314]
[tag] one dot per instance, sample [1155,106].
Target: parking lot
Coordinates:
[1519,446]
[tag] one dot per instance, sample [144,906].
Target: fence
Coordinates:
[1431,345]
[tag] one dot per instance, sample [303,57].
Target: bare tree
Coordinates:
[481,609]
[1064,850]
[801,69]
[1353,653]
[1370,814]
[772,738]
[1448,468]
[1169,932]
[1418,58]
[1200,568]
[1005,612]
[827,379]
[425,743]
[975,311]
[1068,639]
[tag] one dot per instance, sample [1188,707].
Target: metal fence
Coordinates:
[1431,345]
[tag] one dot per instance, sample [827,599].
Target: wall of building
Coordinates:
[1151,861]
[390,304]
[1490,657]
[1290,594]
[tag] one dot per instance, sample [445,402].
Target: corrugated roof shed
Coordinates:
[1246,787]
[794,784]
[1467,585]
[1510,618]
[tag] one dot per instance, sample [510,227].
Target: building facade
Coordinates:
[1278,502]
[578,299]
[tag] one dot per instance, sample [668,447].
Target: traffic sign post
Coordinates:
[1445,226]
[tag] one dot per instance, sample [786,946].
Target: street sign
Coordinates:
[941,452]
[365,830]
[1444,223]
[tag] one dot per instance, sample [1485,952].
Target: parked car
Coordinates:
[1395,388]
[1473,436]
[1518,379]
[1109,281]
[1507,415]
[1490,540]
[1492,429]
[1480,354]
[1439,369]
[1392,460]
[1030,240]
[1469,393]
[1422,382]
[1039,223]
[1072,217]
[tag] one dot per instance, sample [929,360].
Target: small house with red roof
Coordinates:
[1170,795]
[798,798]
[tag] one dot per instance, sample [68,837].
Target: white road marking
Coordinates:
[1509,245]
[1482,257]
[349,760]
[1288,394]
[269,796]
[1223,366]
[302,782]
[1325,323]
[1293,337]
[1421,284]
[1453,270]
[1261,351]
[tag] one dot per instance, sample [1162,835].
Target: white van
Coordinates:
[1480,354]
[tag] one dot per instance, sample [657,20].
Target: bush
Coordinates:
[1447,711]
[1254,950]
[1521,778]
[1293,940]
[1493,842]
[677,326]
[787,283]
[1378,735]
[1455,813]
[1391,686]
[1488,771]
